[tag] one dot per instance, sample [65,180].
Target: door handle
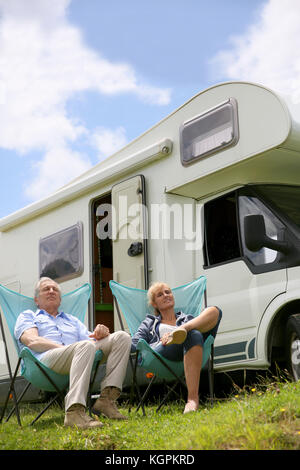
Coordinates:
[135,249]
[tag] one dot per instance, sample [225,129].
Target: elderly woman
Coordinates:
[178,336]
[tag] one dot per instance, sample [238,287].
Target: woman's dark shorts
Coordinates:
[175,352]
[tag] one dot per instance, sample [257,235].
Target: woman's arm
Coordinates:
[142,333]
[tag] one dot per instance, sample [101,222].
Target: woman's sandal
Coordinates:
[177,336]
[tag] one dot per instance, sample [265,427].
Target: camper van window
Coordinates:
[274,229]
[61,254]
[209,133]
[221,230]
[285,198]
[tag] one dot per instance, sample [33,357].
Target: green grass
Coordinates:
[266,417]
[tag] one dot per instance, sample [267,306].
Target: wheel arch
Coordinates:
[275,338]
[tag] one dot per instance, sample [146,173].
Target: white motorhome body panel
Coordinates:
[243,297]
[264,122]
[267,151]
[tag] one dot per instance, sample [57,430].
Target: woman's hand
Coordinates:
[164,339]
[100,332]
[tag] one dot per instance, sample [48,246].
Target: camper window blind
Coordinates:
[210,132]
[61,254]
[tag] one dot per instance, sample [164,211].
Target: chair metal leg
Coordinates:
[134,384]
[211,375]
[18,401]
[146,393]
[92,381]
[16,408]
[134,381]
[171,389]
[12,379]
[176,377]
[45,409]
[12,390]
[59,393]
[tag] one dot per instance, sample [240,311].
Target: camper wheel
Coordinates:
[293,345]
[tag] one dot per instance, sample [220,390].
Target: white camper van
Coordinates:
[213,189]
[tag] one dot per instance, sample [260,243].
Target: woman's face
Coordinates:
[163,298]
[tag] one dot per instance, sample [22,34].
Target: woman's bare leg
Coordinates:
[192,368]
[203,322]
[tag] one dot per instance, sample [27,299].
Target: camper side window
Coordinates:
[250,205]
[221,230]
[210,132]
[61,254]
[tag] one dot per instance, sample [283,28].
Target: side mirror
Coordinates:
[256,237]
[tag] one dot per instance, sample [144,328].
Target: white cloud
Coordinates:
[108,141]
[44,62]
[59,165]
[269,51]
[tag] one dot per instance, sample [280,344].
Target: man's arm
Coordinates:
[37,343]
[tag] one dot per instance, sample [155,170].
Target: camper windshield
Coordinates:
[285,198]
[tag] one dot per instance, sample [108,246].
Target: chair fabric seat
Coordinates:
[30,371]
[34,371]
[133,304]
[148,360]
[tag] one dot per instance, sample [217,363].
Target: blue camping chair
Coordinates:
[35,372]
[133,303]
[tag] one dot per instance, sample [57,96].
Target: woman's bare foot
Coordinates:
[190,406]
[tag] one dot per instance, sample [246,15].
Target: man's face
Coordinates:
[49,297]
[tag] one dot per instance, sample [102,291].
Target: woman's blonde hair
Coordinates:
[156,286]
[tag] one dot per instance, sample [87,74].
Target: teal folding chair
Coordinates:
[34,371]
[133,304]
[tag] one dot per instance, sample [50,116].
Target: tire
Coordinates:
[293,345]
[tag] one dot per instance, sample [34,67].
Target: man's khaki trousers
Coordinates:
[77,360]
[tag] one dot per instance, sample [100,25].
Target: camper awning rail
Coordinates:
[117,169]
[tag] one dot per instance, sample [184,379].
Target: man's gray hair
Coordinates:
[38,285]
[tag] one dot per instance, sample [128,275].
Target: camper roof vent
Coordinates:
[209,133]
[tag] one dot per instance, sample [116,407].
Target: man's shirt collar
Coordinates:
[40,311]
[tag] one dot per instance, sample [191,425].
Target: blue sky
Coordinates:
[81,78]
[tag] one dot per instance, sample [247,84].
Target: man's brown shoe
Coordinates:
[106,404]
[76,417]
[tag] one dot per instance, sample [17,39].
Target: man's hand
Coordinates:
[100,332]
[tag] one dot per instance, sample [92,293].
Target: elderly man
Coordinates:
[64,344]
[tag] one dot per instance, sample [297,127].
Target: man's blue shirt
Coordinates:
[63,329]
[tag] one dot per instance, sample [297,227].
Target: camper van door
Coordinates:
[129,239]
[243,283]
[244,297]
